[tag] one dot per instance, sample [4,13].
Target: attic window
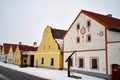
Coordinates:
[88,23]
[78,26]
[89,38]
[77,39]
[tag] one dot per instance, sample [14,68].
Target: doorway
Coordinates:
[115,72]
[31,60]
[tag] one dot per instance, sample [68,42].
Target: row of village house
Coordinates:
[94,37]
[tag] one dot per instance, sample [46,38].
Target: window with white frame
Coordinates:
[81,62]
[94,62]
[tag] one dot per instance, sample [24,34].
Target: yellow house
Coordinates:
[21,54]
[49,53]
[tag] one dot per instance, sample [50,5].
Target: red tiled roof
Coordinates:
[7,47]
[27,48]
[14,46]
[21,47]
[106,20]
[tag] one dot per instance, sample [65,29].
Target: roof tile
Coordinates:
[107,20]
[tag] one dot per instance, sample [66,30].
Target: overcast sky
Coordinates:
[25,20]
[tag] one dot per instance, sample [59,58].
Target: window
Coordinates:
[77,39]
[42,61]
[88,23]
[78,26]
[25,61]
[71,62]
[81,62]
[17,60]
[49,46]
[43,47]
[94,63]
[88,38]
[52,62]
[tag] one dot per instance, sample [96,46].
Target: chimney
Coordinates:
[20,43]
[35,44]
[109,15]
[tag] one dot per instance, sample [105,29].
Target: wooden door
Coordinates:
[115,72]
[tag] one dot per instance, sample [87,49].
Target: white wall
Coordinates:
[10,56]
[113,36]
[87,55]
[114,54]
[97,42]
[89,49]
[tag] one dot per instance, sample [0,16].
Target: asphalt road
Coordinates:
[16,75]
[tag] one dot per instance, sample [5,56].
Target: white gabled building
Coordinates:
[10,55]
[96,40]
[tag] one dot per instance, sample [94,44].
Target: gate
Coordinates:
[115,72]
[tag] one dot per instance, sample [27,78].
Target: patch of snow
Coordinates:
[60,42]
[48,73]
[25,53]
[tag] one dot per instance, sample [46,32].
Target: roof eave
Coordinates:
[114,29]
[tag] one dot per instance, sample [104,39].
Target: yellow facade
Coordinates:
[48,53]
[20,59]
[48,43]
[17,57]
[47,60]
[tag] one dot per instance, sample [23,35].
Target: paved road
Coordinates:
[15,75]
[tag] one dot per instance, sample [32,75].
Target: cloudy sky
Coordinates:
[25,20]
